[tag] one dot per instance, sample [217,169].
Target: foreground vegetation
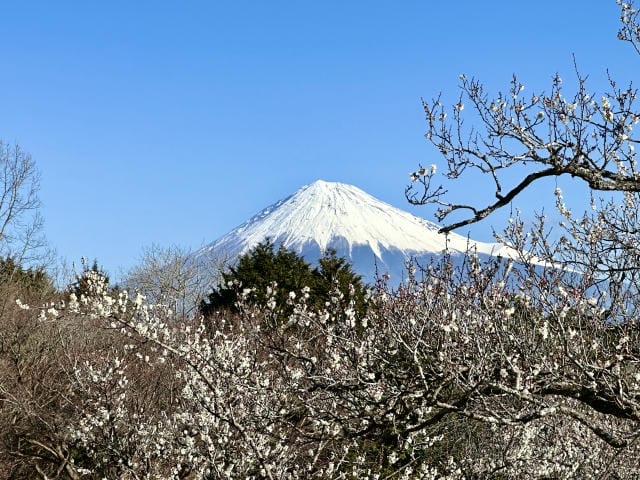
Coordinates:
[473,372]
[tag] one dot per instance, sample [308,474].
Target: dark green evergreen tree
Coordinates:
[264,265]
[258,270]
[335,272]
[25,280]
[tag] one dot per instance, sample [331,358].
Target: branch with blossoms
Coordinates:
[536,136]
[630,24]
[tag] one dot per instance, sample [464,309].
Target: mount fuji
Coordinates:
[374,236]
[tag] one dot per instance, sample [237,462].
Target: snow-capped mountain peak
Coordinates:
[360,227]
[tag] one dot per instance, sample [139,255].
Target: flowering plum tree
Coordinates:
[465,374]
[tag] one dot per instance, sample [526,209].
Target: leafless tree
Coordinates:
[20,222]
[175,277]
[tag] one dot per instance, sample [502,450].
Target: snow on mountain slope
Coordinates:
[372,234]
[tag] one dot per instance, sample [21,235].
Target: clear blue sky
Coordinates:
[173,122]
